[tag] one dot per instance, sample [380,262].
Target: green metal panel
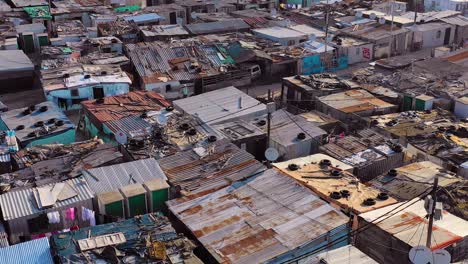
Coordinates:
[420,105]
[159,197]
[43,41]
[407,103]
[114,209]
[28,43]
[137,205]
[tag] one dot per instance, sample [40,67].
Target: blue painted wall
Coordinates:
[66,137]
[313,64]
[87,93]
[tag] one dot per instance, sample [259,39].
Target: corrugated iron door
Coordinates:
[420,105]
[115,209]
[137,205]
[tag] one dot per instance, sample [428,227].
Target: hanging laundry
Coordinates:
[88,215]
[70,214]
[92,219]
[54,217]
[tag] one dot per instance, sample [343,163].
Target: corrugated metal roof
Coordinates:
[404,225]
[457,20]
[120,106]
[221,105]
[152,62]
[347,254]
[110,178]
[318,178]
[20,203]
[35,251]
[257,219]
[217,27]
[15,118]
[401,185]
[354,101]
[226,164]
[128,125]
[143,18]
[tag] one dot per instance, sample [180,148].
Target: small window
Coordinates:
[74,92]
[168,88]
[291,42]
[106,50]
[358,51]
[98,92]
[439,33]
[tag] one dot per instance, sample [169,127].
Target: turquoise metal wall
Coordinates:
[67,137]
[313,64]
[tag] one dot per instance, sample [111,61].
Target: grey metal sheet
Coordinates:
[110,178]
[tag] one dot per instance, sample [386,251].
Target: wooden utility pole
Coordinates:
[432,210]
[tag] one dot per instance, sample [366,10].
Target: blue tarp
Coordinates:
[150,17]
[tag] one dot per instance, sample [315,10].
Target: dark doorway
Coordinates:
[447,36]
[98,92]
[173,18]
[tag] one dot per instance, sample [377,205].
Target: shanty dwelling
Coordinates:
[393,230]
[106,44]
[461,28]
[171,13]
[162,32]
[109,116]
[407,182]
[340,188]
[218,27]
[209,168]
[127,189]
[34,251]
[169,132]
[122,241]
[356,50]
[385,39]
[368,152]
[302,91]
[346,254]
[284,36]
[268,218]
[127,31]
[292,136]
[39,124]
[433,34]
[69,86]
[350,106]
[180,71]
[143,18]
[16,71]
[29,36]
[36,212]
[245,135]
[222,105]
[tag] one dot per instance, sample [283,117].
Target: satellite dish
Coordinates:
[312,37]
[372,16]
[381,20]
[121,137]
[162,119]
[359,14]
[420,255]
[441,256]
[273,12]
[271,154]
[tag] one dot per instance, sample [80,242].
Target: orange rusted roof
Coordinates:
[259,219]
[120,106]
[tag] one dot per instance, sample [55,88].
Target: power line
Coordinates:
[365,227]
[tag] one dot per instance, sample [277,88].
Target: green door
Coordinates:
[420,105]
[115,209]
[159,197]
[137,205]
[407,103]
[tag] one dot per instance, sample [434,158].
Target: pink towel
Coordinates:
[70,214]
